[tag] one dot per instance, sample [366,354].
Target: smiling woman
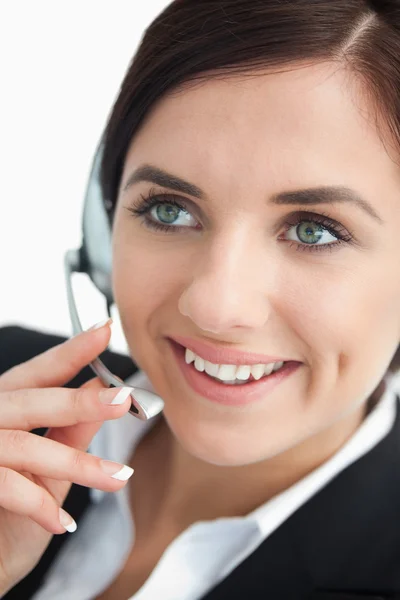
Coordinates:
[282,269]
[250,174]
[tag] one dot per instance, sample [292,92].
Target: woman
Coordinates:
[250,173]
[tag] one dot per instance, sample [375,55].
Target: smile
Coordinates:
[229,391]
[231,374]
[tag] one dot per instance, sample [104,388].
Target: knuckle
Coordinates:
[5,397]
[41,501]
[17,440]
[18,398]
[21,399]
[17,402]
[80,402]
[4,477]
[76,398]
[78,459]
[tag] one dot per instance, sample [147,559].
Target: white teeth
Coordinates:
[189,356]
[243,372]
[268,369]
[230,373]
[211,369]
[258,371]
[278,365]
[227,372]
[199,363]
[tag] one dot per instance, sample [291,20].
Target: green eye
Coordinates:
[310,232]
[167,213]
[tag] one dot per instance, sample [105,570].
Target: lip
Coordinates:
[225,356]
[230,395]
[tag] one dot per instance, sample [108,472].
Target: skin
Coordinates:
[337,312]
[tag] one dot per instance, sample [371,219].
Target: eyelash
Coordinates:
[152,199]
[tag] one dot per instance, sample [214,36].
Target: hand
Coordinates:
[36,472]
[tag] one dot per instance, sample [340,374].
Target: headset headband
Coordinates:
[94,258]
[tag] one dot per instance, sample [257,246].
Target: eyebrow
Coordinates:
[307,197]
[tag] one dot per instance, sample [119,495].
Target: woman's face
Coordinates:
[307,280]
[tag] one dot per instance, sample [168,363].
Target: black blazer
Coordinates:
[342,544]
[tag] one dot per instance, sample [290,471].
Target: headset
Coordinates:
[94,258]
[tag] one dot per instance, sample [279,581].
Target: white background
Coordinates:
[61,66]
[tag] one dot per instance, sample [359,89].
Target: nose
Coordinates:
[230,286]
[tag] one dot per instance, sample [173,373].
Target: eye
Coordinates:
[163,212]
[171,213]
[315,232]
[310,233]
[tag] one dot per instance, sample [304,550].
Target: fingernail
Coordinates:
[116,470]
[101,324]
[115,395]
[67,521]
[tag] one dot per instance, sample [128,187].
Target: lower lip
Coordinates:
[231,395]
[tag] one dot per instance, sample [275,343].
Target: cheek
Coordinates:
[148,269]
[349,318]
[146,287]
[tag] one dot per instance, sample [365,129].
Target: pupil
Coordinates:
[312,232]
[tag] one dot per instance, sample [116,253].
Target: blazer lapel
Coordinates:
[342,544]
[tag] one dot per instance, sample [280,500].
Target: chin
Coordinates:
[224,447]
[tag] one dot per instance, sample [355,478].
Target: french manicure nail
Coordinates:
[116,470]
[67,521]
[115,395]
[101,324]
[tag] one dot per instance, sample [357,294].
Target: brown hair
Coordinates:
[194,40]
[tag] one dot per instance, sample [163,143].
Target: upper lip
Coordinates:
[225,356]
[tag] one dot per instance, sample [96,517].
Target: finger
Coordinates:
[29,409]
[59,364]
[23,451]
[23,497]
[76,436]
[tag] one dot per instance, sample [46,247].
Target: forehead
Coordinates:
[305,126]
